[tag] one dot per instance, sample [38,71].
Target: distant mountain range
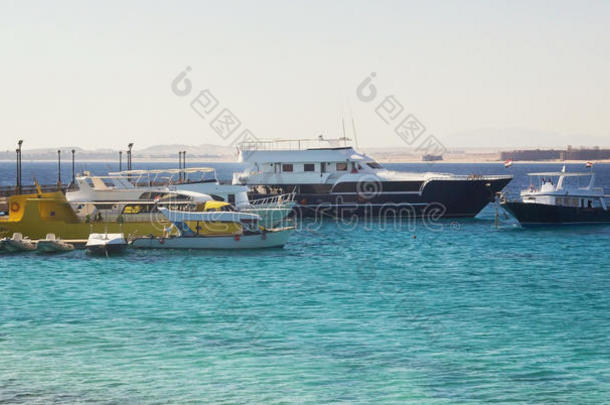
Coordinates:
[205,151]
[217,153]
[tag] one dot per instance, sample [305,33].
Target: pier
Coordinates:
[8,191]
[20,188]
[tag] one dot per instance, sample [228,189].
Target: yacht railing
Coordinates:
[450,176]
[294,144]
[276,200]
[7,191]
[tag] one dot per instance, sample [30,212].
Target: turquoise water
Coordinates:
[465,314]
[344,313]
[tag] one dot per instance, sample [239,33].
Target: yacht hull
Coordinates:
[532,214]
[443,198]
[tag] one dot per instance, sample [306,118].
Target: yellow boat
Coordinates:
[36,215]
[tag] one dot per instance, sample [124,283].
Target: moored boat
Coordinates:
[52,244]
[105,244]
[330,178]
[18,243]
[172,185]
[215,230]
[36,215]
[558,199]
[267,239]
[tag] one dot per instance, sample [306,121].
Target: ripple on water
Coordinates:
[465,315]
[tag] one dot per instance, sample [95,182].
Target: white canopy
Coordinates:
[560,174]
[169,171]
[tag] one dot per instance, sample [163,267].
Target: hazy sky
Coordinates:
[475,73]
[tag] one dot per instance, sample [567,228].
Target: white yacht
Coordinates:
[136,192]
[560,198]
[133,184]
[329,177]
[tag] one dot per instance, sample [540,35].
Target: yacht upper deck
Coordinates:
[565,189]
[299,151]
[295,144]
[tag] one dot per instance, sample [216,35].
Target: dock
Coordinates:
[7,191]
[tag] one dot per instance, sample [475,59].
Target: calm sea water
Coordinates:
[344,313]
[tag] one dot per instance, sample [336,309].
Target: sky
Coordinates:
[472,73]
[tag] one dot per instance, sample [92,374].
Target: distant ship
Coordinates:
[557,199]
[333,179]
[431,158]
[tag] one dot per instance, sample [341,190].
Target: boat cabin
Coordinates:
[292,161]
[564,189]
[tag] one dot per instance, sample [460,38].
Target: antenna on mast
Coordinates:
[351,114]
[354,133]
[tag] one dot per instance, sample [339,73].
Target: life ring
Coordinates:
[237,238]
[15,206]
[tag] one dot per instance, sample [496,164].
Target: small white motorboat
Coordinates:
[560,198]
[215,230]
[106,244]
[52,244]
[268,239]
[18,244]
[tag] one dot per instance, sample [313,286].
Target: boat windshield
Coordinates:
[563,180]
[165,177]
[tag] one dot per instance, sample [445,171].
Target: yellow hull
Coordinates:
[77,230]
[36,215]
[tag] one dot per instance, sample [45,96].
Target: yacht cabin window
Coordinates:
[374,165]
[287,167]
[341,167]
[309,167]
[576,202]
